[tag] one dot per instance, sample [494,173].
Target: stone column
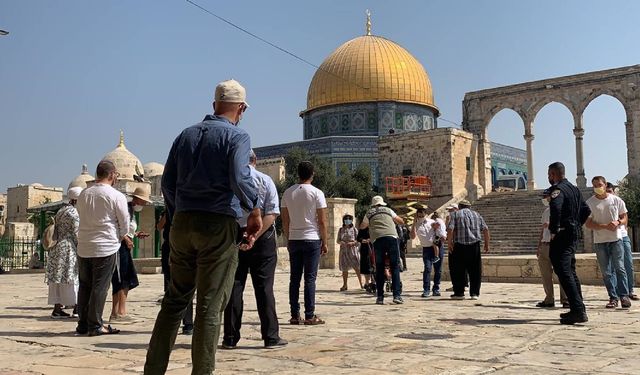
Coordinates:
[578,132]
[336,208]
[528,137]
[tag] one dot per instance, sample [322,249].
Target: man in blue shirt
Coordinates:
[206,185]
[261,262]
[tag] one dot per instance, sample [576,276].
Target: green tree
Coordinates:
[630,193]
[355,184]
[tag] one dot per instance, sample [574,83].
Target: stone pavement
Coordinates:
[502,333]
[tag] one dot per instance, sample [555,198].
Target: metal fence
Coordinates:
[22,253]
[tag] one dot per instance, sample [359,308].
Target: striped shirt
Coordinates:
[467,226]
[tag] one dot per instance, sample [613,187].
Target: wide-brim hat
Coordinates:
[464,202]
[452,207]
[377,201]
[142,194]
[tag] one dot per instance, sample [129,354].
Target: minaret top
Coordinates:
[368,22]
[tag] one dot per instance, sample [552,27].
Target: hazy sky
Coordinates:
[73,73]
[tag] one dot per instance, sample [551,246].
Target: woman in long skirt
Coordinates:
[125,276]
[349,250]
[62,267]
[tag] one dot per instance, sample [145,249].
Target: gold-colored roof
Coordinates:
[370,68]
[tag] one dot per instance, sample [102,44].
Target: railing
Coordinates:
[405,186]
[21,253]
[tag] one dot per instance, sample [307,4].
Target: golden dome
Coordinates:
[370,68]
[127,164]
[82,179]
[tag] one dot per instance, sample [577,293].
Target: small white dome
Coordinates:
[153,169]
[82,179]
[127,164]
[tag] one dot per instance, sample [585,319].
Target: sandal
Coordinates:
[613,303]
[110,331]
[313,321]
[295,320]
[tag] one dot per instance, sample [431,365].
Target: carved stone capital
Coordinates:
[578,132]
[529,137]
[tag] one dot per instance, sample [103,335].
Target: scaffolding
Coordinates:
[408,187]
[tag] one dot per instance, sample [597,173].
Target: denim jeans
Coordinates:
[611,260]
[304,258]
[387,246]
[628,265]
[427,259]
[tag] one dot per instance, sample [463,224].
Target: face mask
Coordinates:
[348,222]
[599,190]
[137,208]
[545,202]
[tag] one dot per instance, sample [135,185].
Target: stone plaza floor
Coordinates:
[502,333]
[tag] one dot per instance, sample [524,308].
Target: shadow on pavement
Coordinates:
[499,321]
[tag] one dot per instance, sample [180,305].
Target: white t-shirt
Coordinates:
[302,201]
[104,221]
[546,233]
[604,211]
[426,233]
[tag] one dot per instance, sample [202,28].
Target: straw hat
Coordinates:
[142,194]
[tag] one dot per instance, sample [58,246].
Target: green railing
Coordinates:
[23,253]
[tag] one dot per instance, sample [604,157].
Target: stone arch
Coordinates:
[575,93]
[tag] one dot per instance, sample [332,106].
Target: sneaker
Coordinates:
[436,260]
[187,331]
[436,293]
[228,345]
[296,320]
[457,296]
[625,302]
[475,298]
[613,303]
[276,344]
[380,301]
[398,300]
[425,295]
[60,314]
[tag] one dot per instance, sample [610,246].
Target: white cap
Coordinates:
[231,91]
[452,207]
[74,193]
[377,200]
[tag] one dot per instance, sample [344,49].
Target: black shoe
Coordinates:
[276,344]
[544,304]
[81,331]
[573,318]
[380,301]
[228,345]
[60,314]
[188,331]
[565,305]
[457,296]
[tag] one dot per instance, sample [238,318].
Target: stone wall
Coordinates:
[445,155]
[22,197]
[147,224]
[272,167]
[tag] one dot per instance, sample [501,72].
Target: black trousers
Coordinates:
[466,259]
[94,275]
[562,251]
[260,262]
[187,319]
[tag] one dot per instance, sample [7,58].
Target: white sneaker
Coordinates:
[475,298]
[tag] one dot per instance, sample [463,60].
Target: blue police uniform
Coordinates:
[568,212]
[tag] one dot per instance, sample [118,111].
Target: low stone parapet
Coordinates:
[495,268]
